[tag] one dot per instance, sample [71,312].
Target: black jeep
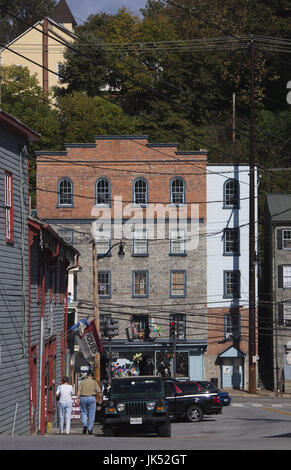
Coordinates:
[136,403]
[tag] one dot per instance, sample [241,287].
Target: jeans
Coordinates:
[88,411]
[65,410]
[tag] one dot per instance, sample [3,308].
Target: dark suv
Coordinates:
[137,403]
[188,401]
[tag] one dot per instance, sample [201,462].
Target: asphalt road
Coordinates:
[247,424]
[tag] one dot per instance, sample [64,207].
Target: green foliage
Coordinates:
[23,98]
[17,16]
[82,117]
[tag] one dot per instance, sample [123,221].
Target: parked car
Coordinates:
[136,403]
[188,401]
[224,397]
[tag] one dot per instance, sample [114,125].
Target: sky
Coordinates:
[81,9]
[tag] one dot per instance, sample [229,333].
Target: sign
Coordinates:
[90,342]
[75,408]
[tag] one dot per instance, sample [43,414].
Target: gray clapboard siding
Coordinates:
[14,365]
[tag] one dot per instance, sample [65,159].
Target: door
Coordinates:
[196,366]
[232,373]
[227,373]
[33,388]
[50,382]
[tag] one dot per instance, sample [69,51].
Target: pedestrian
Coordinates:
[89,392]
[65,392]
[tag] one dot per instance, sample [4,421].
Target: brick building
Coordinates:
[124,188]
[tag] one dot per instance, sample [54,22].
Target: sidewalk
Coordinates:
[77,429]
[258,394]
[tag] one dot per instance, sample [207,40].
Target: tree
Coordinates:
[23,98]
[19,15]
[82,117]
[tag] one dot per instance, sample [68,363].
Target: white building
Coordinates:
[228,273]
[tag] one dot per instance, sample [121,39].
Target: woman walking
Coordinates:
[65,392]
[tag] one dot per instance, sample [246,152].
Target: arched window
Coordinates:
[140,191]
[231,193]
[177,191]
[102,191]
[65,192]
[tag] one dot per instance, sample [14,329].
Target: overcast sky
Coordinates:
[81,9]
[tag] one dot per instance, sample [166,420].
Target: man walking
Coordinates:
[88,393]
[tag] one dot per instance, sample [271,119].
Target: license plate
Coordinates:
[135,421]
[225,399]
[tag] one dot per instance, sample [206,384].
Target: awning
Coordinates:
[231,351]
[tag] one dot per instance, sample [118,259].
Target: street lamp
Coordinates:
[96,257]
[120,251]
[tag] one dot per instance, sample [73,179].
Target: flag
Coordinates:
[88,338]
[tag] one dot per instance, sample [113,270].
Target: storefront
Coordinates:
[157,358]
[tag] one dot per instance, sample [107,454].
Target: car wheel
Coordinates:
[164,430]
[194,414]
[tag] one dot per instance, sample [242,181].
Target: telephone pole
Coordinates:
[252,278]
[96,309]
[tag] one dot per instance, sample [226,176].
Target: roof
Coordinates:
[16,127]
[62,13]
[279,206]
[39,224]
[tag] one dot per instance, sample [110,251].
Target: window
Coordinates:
[231,193]
[231,327]
[140,191]
[177,191]
[287,276]
[104,284]
[177,242]
[75,287]
[103,242]
[231,241]
[140,243]
[65,192]
[141,327]
[67,235]
[59,71]
[140,284]
[284,313]
[8,205]
[178,283]
[231,284]
[286,239]
[102,192]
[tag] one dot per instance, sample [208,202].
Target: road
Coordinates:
[247,424]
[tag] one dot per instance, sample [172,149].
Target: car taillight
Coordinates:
[216,400]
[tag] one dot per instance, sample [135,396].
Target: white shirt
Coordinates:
[65,391]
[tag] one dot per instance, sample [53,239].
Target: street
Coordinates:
[249,423]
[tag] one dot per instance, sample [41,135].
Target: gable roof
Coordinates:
[16,127]
[279,206]
[62,13]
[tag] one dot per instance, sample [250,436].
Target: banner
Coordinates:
[88,338]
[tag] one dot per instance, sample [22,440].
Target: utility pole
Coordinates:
[233,117]
[45,56]
[96,309]
[252,278]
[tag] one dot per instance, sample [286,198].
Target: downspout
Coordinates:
[41,406]
[30,242]
[22,153]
